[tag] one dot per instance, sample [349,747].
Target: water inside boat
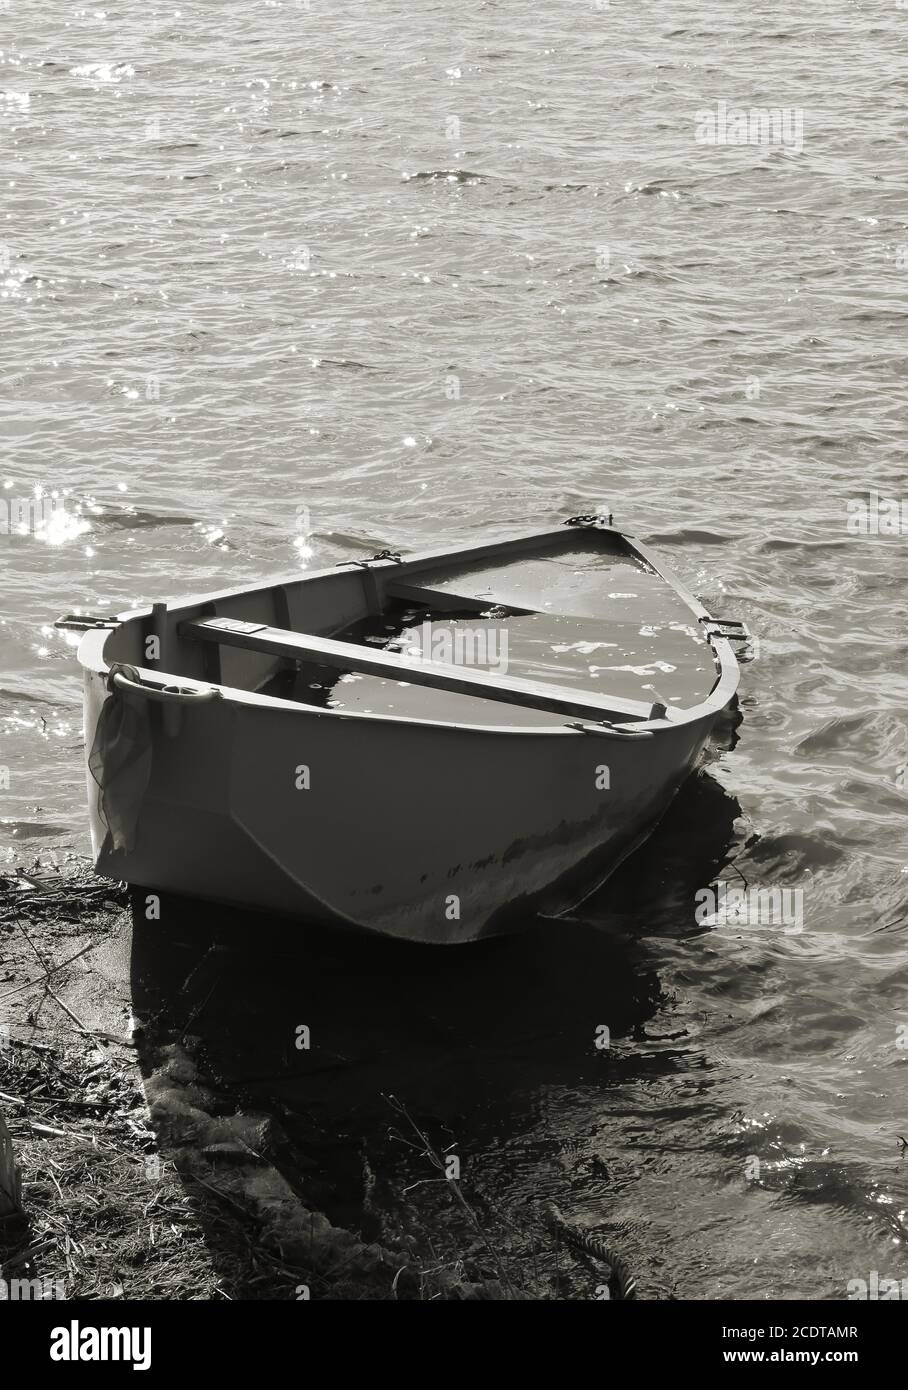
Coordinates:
[581,618]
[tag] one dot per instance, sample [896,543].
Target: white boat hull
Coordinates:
[420,829]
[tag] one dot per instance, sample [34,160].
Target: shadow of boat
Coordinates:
[271,1050]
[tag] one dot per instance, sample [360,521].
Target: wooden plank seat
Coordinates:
[347,656]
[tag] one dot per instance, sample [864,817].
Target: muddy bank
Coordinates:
[178,1090]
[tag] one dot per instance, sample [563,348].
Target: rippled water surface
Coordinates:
[284,282]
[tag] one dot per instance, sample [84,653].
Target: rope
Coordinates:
[621,1283]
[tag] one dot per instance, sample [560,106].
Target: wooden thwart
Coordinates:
[576,704]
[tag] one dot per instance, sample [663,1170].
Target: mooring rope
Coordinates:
[621,1283]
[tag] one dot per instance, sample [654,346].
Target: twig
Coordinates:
[39,979]
[67,1010]
[50,1131]
[436,1161]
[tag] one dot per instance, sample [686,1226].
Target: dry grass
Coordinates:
[95,1218]
[98,1221]
[117,1201]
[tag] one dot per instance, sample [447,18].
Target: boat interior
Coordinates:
[571,610]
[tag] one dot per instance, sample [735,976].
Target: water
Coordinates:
[289,283]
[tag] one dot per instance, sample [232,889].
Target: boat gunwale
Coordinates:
[91,648]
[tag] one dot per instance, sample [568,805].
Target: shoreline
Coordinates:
[143,1174]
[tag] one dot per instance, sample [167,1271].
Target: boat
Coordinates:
[438,746]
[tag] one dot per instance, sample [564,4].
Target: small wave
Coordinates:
[350,541]
[104,72]
[689,536]
[844,1187]
[129,520]
[445,175]
[8,695]
[652,188]
[784,543]
[347,363]
[32,830]
[849,732]
[791,856]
